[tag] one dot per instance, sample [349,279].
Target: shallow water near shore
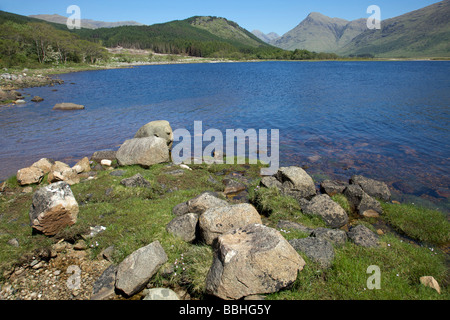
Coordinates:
[386,120]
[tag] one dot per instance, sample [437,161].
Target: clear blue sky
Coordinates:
[266,15]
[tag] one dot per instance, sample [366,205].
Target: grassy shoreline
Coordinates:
[134,217]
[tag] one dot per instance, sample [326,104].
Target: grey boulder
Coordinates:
[316,249]
[363,236]
[373,188]
[135,271]
[330,212]
[252,260]
[184,226]
[143,151]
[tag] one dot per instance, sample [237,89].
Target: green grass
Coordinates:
[419,223]
[401,266]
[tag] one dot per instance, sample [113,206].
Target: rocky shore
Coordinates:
[250,255]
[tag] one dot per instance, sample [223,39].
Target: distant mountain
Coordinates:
[320,33]
[85,23]
[421,33]
[272,36]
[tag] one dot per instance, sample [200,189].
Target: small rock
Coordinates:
[136,181]
[117,173]
[104,286]
[373,188]
[161,294]
[98,156]
[106,162]
[13,242]
[316,249]
[335,236]
[37,99]
[80,245]
[363,236]
[82,166]
[429,281]
[204,201]
[330,212]
[232,186]
[332,187]
[184,226]
[284,224]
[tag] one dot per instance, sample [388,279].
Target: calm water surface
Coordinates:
[386,120]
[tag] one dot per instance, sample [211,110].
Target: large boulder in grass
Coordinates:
[135,271]
[252,260]
[54,207]
[330,212]
[159,128]
[217,221]
[296,182]
[373,188]
[143,151]
[29,175]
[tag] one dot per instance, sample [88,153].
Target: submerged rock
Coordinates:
[68,106]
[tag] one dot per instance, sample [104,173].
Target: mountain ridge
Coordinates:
[420,33]
[320,33]
[85,23]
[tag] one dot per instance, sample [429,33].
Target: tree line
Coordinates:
[35,42]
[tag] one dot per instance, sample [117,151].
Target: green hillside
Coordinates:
[196,36]
[420,33]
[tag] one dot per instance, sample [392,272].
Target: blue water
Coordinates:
[387,120]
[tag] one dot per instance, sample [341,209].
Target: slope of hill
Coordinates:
[421,33]
[321,34]
[196,36]
[226,29]
[85,23]
[267,38]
